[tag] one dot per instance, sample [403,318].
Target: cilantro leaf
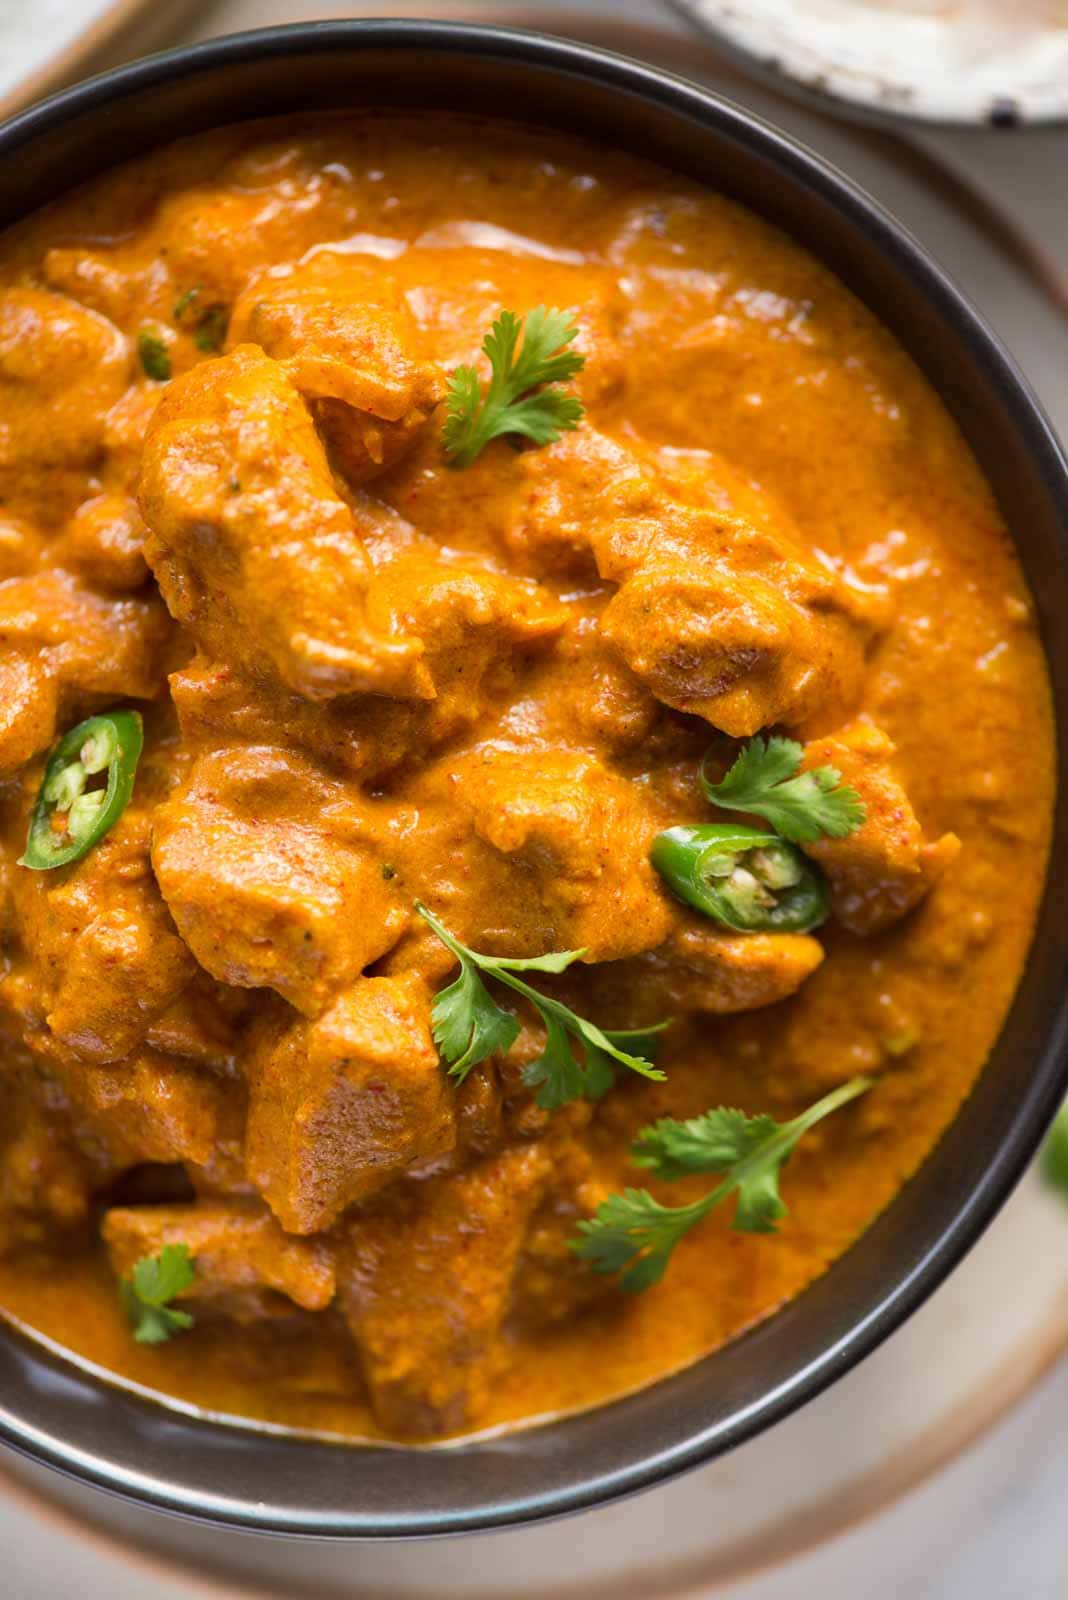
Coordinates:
[556,1072]
[708,1143]
[552,961]
[632,1233]
[210,332]
[468,1026]
[184,301]
[600,1075]
[467,1023]
[560,1074]
[153,1283]
[155,357]
[801,806]
[642,1041]
[210,322]
[601,1067]
[473,418]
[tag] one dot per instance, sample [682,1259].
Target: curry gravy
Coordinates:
[737,373]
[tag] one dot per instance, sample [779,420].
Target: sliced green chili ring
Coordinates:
[745,878]
[107,744]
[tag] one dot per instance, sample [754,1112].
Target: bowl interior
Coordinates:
[113,1437]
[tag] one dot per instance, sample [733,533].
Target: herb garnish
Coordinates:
[210,332]
[766,779]
[211,323]
[155,357]
[508,405]
[146,1293]
[632,1231]
[469,1026]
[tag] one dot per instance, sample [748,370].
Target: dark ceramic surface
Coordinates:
[55,1413]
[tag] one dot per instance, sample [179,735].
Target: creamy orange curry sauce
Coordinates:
[370,677]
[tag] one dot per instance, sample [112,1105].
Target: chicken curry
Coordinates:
[515,701]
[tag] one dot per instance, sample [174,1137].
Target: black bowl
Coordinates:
[109,1436]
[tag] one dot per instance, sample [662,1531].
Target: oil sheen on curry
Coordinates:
[519,713]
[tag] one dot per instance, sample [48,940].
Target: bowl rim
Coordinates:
[1037,1098]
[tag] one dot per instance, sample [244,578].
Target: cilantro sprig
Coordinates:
[510,403]
[147,1292]
[469,1026]
[766,780]
[634,1234]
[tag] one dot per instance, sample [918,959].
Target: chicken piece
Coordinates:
[204,1024]
[106,280]
[479,631]
[44,1182]
[20,546]
[341,1106]
[463,613]
[149,1107]
[589,697]
[29,708]
[62,368]
[735,650]
[103,953]
[704,969]
[426,1295]
[552,1284]
[365,735]
[216,239]
[719,616]
[573,841]
[720,612]
[479,1112]
[105,544]
[350,360]
[124,968]
[127,427]
[253,549]
[880,872]
[64,649]
[563,491]
[728,621]
[94,646]
[237,1249]
[265,865]
[546,522]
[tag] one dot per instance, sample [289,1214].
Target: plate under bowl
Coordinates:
[981,63]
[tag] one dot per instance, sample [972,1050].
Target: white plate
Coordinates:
[993,62]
